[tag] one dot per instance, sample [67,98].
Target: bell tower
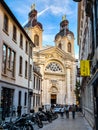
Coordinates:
[34,28]
[65,38]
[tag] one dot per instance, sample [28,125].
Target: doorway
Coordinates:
[53,98]
[6,101]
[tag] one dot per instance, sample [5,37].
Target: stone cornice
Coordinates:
[55,52]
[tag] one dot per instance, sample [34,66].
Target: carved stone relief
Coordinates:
[53,89]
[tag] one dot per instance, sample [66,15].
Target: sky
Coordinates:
[49,15]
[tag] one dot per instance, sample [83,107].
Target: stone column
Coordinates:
[68,87]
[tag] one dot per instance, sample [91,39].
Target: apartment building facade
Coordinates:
[16,63]
[37,88]
[88,50]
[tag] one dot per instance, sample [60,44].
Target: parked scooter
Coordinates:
[44,116]
[54,115]
[20,123]
[34,117]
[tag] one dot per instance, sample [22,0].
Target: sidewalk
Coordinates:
[85,122]
[79,123]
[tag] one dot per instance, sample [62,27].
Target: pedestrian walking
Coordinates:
[62,111]
[73,109]
[67,111]
[19,110]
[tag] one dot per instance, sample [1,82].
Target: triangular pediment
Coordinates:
[55,52]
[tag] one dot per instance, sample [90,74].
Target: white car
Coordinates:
[57,109]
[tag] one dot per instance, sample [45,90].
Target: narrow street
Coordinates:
[49,60]
[79,123]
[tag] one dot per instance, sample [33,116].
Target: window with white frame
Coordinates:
[8,60]
[21,41]
[5,23]
[30,72]
[25,98]
[26,69]
[14,33]
[20,65]
[4,58]
[26,46]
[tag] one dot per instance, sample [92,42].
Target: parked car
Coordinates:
[57,109]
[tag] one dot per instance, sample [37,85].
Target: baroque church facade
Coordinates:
[57,63]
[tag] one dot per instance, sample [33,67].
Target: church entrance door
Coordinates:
[53,98]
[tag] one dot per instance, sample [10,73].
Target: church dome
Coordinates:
[64,23]
[64,30]
[34,23]
[33,18]
[63,33]
[33,13]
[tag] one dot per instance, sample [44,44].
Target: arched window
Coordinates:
[60,46]
[53,66]
[36,40]
[69,47]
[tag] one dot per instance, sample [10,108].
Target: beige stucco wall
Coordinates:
[7,39]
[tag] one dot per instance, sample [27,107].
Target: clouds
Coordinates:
[23,10]
[48,39]
[49,14]
[56,7]
[57,10]
[76,56]
[43,11]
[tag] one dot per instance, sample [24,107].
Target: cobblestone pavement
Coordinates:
[79,123]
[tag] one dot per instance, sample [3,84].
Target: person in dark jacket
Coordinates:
[62,111]
[73,109]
